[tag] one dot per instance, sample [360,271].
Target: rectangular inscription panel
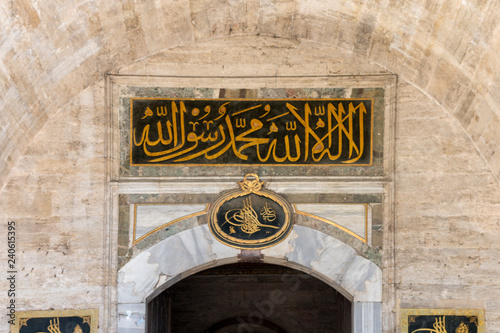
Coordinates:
[56,321]
[168,131]
[442,320]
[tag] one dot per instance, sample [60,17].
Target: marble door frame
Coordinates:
[194,250]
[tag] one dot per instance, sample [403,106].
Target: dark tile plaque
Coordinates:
[442,321]
[179,131]
[62,321]
[184,131]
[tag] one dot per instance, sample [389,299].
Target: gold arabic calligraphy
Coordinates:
[247,219]
[439,327]
[54,327]
[182,131]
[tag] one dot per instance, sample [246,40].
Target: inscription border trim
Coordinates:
[442,312]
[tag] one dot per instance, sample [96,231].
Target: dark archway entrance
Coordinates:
[249,298]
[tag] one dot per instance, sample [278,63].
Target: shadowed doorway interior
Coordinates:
[249,297]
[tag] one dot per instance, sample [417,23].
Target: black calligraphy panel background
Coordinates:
[262,132]
[451,323]
[259,205]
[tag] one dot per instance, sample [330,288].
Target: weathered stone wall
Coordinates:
[50,51]
[447,214]
[447,199]
[55,195]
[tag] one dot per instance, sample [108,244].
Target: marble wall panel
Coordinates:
[147,218]
[354,218]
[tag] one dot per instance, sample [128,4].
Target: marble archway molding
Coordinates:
[305,249]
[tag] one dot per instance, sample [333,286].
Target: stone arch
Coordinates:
[415,45]
[305,249]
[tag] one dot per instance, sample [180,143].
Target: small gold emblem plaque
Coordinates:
[56,321]
[442,321]
[251,217]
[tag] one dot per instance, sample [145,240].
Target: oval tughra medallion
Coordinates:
[250,217]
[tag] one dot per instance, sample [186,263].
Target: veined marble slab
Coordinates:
[150,217]
[352,218]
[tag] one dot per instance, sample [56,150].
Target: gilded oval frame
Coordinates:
[248,188]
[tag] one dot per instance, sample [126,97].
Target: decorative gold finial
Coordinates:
[251,185]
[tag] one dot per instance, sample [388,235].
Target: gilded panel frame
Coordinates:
[89,317]
[410,315]
[379,89]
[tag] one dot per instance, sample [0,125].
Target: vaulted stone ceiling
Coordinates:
[53,49]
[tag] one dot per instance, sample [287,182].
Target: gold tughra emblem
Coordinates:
[250,217]
[247,219]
